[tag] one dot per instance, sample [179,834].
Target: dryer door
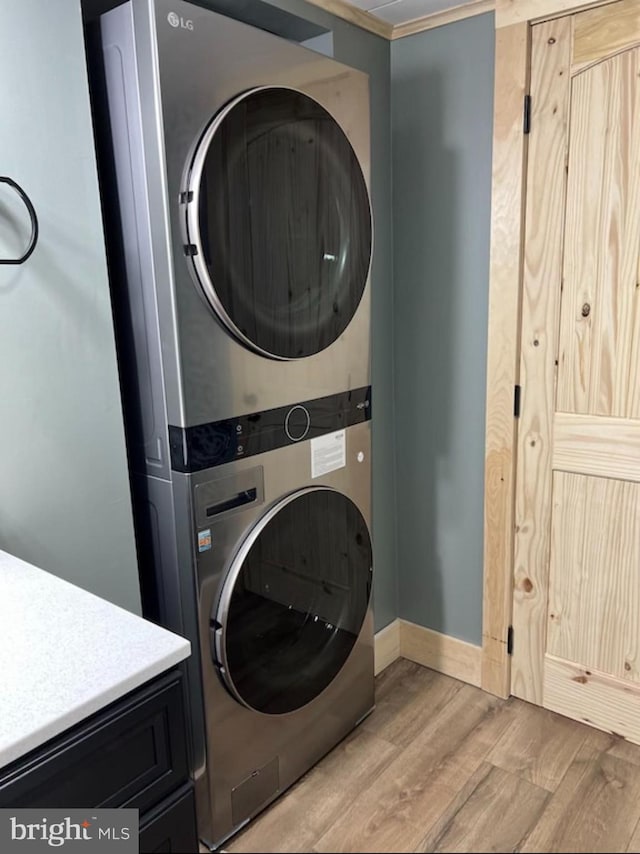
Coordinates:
[278,222]
[294,601]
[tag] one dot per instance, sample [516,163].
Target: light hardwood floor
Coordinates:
[443,766]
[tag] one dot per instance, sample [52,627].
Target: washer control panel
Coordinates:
[297,422]
[207,445]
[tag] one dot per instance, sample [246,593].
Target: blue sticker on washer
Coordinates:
[204,540]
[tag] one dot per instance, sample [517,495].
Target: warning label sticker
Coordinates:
[328,453]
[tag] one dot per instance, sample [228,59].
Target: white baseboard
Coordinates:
[446,654]
[386,646]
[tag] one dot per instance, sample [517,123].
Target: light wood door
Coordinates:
[577,541]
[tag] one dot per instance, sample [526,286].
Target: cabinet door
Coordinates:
[172,826]
[64,492]
[132,754]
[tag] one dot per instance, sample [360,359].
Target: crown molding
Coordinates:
[439,19]
[356,16]
[367,21]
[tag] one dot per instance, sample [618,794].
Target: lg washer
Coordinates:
[284,570]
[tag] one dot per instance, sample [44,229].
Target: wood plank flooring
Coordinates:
[442,766]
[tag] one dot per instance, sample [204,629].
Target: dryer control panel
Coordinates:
[206,445]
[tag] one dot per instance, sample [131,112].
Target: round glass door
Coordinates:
[279,223]
[294,601]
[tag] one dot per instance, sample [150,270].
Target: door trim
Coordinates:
[508,12]
[505,284]
[514,19]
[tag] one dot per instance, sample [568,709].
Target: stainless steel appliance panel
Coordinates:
[241,740]
[176,80]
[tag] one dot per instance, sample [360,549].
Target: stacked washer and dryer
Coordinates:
[241,163]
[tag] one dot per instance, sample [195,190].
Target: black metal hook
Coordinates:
[34,221]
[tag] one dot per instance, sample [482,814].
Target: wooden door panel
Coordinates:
[605,447]
[598,33]
[544,216]
[592,697]
[594,583]
[602,239]
[576,605]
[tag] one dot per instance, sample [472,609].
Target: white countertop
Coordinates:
[65,654]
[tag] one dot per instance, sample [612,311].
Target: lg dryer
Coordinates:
[242,170]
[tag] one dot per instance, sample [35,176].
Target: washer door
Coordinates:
[279,222]
[294,601]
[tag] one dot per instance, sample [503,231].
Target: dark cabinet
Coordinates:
[131,754]
[171,826]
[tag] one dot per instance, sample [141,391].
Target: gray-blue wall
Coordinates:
[64,489]
[442,108]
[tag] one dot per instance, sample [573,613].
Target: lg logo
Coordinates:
[177,21]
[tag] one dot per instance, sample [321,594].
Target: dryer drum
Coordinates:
[278,222]
[294,601]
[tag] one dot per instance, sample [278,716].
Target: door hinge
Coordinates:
[526,124]
[517,393]
[510,640]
